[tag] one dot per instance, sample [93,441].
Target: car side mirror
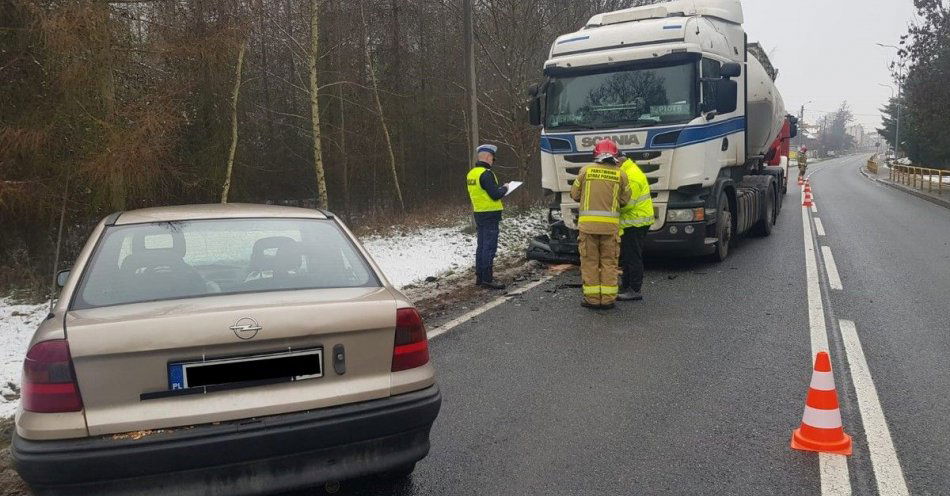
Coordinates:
[730,70]
[727,95]
[62,276]
[534,105]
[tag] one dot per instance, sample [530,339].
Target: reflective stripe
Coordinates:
[638,222]
[609,290]
[822,419]
[823,381]
[599,213]
[591,290]
[642,198]
[594,218]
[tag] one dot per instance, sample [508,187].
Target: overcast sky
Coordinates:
[825,50]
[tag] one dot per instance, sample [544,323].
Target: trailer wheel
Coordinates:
[764,227]
[723,231]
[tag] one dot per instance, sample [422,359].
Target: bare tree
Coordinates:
[234,122]
[322,198]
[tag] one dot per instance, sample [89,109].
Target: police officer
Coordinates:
[601,190]
[635,221]
[486,195]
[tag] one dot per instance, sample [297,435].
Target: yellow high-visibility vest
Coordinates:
[639,211]
[481,202]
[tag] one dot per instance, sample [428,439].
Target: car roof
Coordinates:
[214,211]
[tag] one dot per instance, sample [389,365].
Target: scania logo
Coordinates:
[621,140]
[246,328]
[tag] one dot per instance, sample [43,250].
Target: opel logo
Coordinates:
[246,328]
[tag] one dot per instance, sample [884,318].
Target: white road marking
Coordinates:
[835,480]
[819,227]
[814,207]
[816,310]
[887,468]
[448,326]
[834,280]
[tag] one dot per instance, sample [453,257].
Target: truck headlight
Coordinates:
[685,215]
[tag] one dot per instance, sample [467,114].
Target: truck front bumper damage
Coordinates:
[263,455]
[679,239]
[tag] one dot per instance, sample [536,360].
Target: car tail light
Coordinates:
[411,347]
[49,383]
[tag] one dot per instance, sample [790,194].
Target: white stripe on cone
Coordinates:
[823,381]
[822,419]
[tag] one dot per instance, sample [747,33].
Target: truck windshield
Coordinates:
[637,96]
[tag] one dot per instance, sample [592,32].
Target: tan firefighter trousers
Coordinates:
[599,254]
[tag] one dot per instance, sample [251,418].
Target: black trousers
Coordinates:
[486,224]
[631,257]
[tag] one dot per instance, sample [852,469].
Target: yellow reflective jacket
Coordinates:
[601,190]
[481,201]
[639,212]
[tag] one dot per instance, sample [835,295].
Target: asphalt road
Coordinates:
[696,389]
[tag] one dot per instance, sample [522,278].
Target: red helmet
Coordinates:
[605,149]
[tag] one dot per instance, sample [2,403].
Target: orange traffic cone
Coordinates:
[807,202]
[821,428]
[807,188]
[800,181]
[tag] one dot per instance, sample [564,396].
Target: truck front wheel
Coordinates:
[723,231]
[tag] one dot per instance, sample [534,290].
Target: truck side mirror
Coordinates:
[727,94]
[730,70]
[61,277]
[534,105]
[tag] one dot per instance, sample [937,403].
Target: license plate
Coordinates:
[247,370]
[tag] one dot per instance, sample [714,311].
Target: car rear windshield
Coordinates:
[168,260]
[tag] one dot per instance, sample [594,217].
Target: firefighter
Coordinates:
[601,189]
[486,195]
[802,161]
[635,221]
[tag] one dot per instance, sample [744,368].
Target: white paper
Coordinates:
[513,185]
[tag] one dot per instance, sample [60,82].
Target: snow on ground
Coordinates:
[404,256]
[412,256]
[17,323]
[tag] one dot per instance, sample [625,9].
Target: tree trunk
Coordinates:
[322,200]
[234,122]
[379,109]
[343,155]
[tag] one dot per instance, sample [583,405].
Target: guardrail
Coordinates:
[915,177]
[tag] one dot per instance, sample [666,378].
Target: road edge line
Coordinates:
[884,460]
[448,326]
[833,469]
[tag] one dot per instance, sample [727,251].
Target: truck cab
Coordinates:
[675,86]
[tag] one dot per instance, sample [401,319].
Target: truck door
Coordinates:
[722,144]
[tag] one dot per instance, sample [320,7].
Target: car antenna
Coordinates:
[59,242]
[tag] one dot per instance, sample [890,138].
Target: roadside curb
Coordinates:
[936,201]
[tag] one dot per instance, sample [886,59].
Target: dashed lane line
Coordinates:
[814,207]
[448,326]
[834,280]
[819,226]
[887,467]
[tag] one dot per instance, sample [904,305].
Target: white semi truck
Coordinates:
[683,93]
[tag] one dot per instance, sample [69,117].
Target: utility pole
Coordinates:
[468,45]
[900,82]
